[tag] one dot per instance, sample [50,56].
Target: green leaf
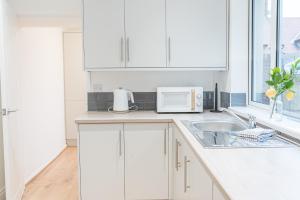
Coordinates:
[270,83]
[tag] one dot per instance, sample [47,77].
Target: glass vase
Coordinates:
[276,109]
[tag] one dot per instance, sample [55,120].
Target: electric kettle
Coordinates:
[121,98]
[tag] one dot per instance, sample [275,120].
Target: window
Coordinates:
[262,45]
[275,42]
[289,47]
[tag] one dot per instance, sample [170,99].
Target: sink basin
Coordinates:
[218,126]
[220,134]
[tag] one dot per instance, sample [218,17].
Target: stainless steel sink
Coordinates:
[221,134]
[218,126]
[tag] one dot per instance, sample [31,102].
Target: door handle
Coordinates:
[6,111]
[186,186]
[177,163]
[122,49]
[165,142]
[128,50]
[169,49]
[120,143]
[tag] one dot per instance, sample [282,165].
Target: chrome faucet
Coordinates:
[251,123]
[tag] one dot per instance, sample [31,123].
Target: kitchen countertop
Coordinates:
[244,174]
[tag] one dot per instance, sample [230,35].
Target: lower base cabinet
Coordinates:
[124,161]
[101,162]
[217,194]
[191,181]
[146,161]
[133,161]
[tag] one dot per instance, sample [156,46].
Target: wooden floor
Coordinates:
[58,181]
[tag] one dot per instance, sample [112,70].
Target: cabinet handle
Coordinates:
[165,142]
[120,143]
[169,49]
[128,50]
[186,186]
[177,163]
[122,49]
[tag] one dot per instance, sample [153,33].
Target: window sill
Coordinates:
[287,126]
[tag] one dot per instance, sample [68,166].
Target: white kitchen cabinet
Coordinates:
[217,194]
[197,32]
[101,156]
[192,182]
[104,36]
[145,33]
[179,152]
[146,161]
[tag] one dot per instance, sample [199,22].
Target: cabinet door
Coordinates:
[178,166]
[199,182]
[146,163]
[101,158]
[104,41]
[217,194]
[191,181]
[146,33]
[197,33]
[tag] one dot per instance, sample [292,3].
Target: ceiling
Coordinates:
[47,8]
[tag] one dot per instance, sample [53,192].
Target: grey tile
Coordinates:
[101,101]
[208,100]
[225,99]
[238,99]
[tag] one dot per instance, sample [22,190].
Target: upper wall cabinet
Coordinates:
[146,33]
[197,33]
[104,35]
[161,34]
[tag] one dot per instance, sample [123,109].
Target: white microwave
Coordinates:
[179,99]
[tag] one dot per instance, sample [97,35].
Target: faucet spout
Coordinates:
[252,119]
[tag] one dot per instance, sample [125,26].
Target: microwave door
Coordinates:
[176,101]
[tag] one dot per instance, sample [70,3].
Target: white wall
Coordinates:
[236,79]
[75,84]
[148,81]
[42,101]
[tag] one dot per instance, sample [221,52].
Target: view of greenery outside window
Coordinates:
[287,47]
[261,48]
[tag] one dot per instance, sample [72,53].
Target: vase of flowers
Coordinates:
[281,84]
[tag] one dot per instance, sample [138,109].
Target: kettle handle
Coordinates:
[130,95]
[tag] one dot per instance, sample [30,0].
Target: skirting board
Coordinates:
[72,142]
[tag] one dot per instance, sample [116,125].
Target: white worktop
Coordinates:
[244,174]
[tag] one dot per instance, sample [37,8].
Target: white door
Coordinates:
[197,33]
[101,156]
[13,147]
[146,163]
[178,166]
[104,42]
[145,33]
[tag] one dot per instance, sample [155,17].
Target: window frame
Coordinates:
[274,48]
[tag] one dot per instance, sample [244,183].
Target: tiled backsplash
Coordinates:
[233,99]
[101,101]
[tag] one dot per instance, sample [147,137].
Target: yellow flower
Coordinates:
[290,95]
[271,93]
